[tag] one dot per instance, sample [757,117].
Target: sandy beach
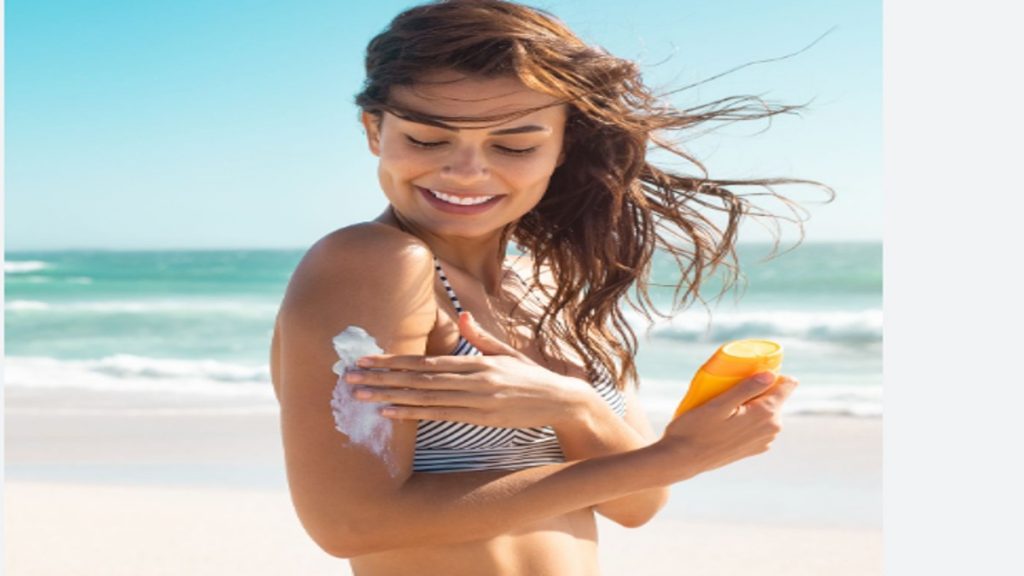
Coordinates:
[92,490]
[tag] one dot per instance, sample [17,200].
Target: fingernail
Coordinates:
[364,362]
[765,378]
[363,394]
[353,377]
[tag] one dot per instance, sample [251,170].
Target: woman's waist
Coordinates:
[564,545]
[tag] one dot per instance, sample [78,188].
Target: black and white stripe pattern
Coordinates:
[604,385]
[443,446]
[447,286]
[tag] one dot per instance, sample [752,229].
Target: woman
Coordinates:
[508,381]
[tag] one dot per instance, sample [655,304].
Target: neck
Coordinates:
[481,257]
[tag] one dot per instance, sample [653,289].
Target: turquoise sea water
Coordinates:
[197,324]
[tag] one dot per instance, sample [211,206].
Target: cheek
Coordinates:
[384,178]
[393,158]
[533,175]
[394,166]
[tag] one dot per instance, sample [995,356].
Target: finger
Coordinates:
[406,397]
[419,363]
[483,340]
[742,392]
[467,415]
[397,379]
[777,394]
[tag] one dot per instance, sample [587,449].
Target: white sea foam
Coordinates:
[37,279]
[233,307]
[860,401]
[360,421]
[844,327]
[34,279]
[132,367]
[23,266]
[660,398]
[146,412]
[123,373]
[23,305]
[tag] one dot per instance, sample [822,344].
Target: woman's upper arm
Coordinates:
[382,281]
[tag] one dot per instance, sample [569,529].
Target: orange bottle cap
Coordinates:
[743,358]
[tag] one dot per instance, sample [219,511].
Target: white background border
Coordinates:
[953,471]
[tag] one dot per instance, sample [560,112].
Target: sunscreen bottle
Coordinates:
[731,364]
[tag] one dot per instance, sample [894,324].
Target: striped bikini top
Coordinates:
[443,446]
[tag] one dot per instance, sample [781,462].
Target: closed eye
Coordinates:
[422,144]
[503,149]
[508,150]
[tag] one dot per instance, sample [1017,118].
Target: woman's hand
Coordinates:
[503,388]
[741,422]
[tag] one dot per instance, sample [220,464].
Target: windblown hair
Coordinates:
[607,209]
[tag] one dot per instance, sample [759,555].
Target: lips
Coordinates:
[458,203]
[460,200]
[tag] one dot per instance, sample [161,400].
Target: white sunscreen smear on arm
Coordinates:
[360,421]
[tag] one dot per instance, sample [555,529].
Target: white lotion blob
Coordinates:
[360,421]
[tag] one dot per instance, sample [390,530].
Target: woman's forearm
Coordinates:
[598,431]
[437,509]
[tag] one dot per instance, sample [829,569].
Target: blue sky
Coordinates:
[230,124]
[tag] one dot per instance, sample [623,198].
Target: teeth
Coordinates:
[462,201]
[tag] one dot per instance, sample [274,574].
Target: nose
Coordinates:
[465,165]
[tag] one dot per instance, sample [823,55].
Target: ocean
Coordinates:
[189,331]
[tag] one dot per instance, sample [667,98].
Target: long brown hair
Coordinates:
[607,209]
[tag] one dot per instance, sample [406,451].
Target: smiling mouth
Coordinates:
[458,200]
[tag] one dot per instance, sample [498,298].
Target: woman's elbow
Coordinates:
[342,539]
[345,543]
[634,520]
[638,514]
[637,521]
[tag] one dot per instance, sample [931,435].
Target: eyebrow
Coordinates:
[520,130]
[527,129]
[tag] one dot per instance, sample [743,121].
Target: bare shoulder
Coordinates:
[360,271]
[370,238]
[363,251]
[368,275]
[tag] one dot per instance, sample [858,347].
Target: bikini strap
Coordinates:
[447,286]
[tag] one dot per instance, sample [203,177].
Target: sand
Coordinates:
[147,493]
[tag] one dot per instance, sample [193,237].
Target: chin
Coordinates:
[469,230]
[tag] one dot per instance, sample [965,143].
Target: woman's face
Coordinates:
[472,181]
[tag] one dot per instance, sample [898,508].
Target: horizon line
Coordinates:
[296,248]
